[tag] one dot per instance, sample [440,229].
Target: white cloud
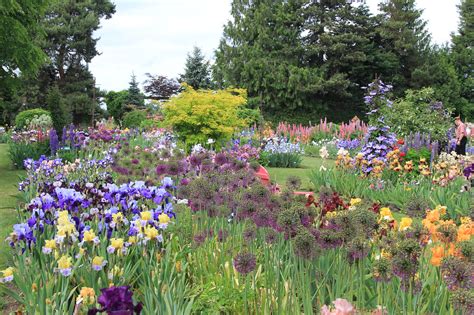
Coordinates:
[155,35]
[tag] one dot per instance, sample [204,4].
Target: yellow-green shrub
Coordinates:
[199,115]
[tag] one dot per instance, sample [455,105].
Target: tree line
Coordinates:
[298,59]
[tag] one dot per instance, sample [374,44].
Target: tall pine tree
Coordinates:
[463,57]
[136,100]
[405,38]
[196,70]
[262,51]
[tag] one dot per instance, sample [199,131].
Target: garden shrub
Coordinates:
[134,118]
[58,110]
[151,123]
[197,116]
[23,118]
[418,111]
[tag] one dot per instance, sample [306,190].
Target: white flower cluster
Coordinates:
[283,146]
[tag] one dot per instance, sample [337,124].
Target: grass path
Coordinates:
[279,175]
[9,178]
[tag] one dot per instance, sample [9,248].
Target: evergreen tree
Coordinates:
[261,50]
[69,43]
[463,58]
[58,110]
[342,41]
[404,37]
[135,97]
[196,70]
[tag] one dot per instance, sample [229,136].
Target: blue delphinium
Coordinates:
[379,140]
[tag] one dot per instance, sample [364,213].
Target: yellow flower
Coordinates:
[164,218]
[385,214]
[87,295]
[146,215]
[34,287]
[132,239]
[151,232]
[64,262]
[355,201]
[51,244]
[405,223]
[117,217]
[63,217]
[116,243]
[98,263]
[89,236]
[178,266]
[7,275]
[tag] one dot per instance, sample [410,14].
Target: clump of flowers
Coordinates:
[117,300]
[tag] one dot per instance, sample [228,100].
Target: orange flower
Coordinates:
[465,231]
[438,255]
[433,215]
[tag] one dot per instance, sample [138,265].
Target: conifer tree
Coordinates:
[196,70]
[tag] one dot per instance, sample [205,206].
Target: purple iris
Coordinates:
[117,300]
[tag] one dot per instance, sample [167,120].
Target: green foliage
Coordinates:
[197,116]
[151,123]
[20,151]
[406,40]
[134,118]
[413,113]
[116,103]
[196,70]
[23,118]
[18,28]
[58,110]
[135,98]
[69,43]
[462,56]
[251,116]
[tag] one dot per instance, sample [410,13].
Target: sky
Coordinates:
[155,35]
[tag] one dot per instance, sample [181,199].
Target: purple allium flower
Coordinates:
[220,158]
[117,300]
[245,262]
[200,238]
[161,169]
[357,249]
[250,233]
[185,181]
[305,244]
[135,161]
[195,160]
[271,237]
[458,273]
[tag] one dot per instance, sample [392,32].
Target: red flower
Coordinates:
[402,154]
[401,141]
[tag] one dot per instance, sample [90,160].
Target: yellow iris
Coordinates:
[164,218]
[405,223]
[50,244]
[146,215]
[64,262]
[151,232]
[89,236]
[116,243]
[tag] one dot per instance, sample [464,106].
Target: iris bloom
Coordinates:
[98,263]
[49,246]
[7,275]
[65,265]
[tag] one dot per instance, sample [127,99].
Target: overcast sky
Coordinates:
[155,35]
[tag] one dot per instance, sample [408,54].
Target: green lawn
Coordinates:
[279,175]
[9,178]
